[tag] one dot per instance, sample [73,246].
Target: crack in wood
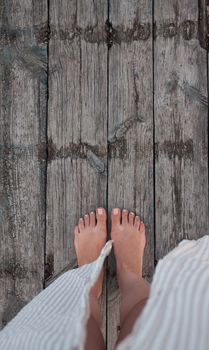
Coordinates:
[177,202]
[179,149]
[110,33]
[49,266]
[136,93]
[203,23]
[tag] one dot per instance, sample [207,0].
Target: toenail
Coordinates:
[131,213]
[92,213]
[115,211]
[125,210]
[100,211]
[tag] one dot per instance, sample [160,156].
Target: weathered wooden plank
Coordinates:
[180,125]
[77,123]
[23,85]
[203,23]
[130,128]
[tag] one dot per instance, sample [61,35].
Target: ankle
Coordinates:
[95,308]
[135,291]
[94,292]
[126,279]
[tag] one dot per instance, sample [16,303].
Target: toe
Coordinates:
[81,224]
[116,216]
[101,216]
[92,219]
[76,230]
[137,222]
[142,226]
[86,220]
[124,216]
[131,218]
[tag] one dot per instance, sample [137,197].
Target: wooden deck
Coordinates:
[103,103]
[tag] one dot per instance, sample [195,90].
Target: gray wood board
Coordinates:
[23,86]
[130,130]
[181,139]
[77,124]
[100,133]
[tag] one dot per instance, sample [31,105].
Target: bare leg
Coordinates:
[94,339]
[90,238]
[134,296]
[128,233]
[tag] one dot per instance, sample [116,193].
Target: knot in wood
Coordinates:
[169,30]
[188,29]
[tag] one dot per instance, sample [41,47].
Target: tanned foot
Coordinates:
[90,238]
[128,233]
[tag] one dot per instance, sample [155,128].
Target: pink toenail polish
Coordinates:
[115,211]
[100,211]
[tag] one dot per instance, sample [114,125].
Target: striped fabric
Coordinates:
[176,315]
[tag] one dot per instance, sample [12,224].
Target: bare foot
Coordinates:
[90,238]
[128,233]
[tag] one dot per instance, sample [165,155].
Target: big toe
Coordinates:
[115,216]
[101,216]
[124,216]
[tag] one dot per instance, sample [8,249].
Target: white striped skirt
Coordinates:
[176,316]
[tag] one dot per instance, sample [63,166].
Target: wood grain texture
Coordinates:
[77,124]
[23,61]
[181,176]
[130,129]
[203,23]
[100,133]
